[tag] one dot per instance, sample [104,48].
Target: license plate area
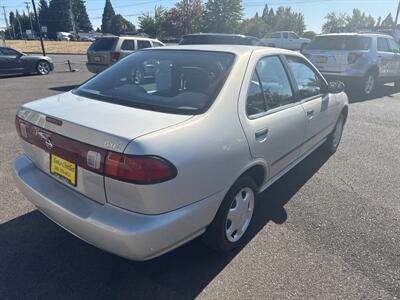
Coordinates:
[63,169]
[321,59]
[97,59]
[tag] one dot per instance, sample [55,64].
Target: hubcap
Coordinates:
[337,135]
[369,84]
[43,68]
[240,214]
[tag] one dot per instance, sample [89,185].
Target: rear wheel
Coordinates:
[230,227]
[43,67]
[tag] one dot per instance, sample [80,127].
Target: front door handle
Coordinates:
[310,113]
[261,135]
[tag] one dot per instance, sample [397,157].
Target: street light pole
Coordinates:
[40,27]
[397,16]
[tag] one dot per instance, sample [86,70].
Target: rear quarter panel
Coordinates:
[209,151]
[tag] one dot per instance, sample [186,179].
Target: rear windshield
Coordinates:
[175,81]
[340,43]
[216,40]
[103,44]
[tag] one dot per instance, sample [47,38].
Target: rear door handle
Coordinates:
[261,135]
[310,113]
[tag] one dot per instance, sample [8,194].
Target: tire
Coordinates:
[230,227]
[369,84]
[43,67]
[397,84]
[333,141]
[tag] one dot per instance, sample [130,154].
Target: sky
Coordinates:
[314,10]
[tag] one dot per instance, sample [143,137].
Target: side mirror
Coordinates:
[336,87]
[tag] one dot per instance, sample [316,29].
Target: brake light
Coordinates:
[138,169]
[114,56]
[352,58]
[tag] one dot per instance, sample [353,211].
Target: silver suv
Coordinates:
[108,50]
[359,60]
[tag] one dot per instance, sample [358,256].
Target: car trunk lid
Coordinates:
[71,135]
[100,51]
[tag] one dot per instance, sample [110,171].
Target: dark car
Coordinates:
[219,39]
[15,62]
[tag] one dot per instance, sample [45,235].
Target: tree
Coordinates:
[59,18]
[43,12]
[286,19]
[222,15]
[81,17]
[254,26]
[334,23]
[108,15]
[359,20]
[120,25]
[388,21]
[265,13]
[153,25]
[183,18]
[309,34]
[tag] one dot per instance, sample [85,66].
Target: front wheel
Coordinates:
[43,67]
[369,84]
[333,141]
[230,227]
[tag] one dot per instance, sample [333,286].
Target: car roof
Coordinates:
[218,34]
[238,50]
[356,34]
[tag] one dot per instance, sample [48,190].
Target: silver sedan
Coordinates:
[138,169]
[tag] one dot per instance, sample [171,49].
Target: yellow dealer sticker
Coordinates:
[63,169]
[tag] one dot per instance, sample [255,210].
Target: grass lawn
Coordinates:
[50,46]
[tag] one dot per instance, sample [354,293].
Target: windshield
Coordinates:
[340,43]
[184,82]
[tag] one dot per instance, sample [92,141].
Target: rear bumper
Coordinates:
[124,233]
[96,68]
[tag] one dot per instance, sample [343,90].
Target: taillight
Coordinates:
[138,169]
[352,58]
[114,56]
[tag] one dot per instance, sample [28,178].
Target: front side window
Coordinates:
[143,44]
[9,52]
[182,82]
[383,45]
[394,47]
[308,81]
[128,45]
[292,35]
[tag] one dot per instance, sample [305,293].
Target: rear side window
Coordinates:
[308,81]
[337,42]
[143,44]
[383,45]
[182,82]
[269,83]
[285,35]
[128,45]
[276,35]
[103,44]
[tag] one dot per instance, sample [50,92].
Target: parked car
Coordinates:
[106,51]
[140,169]
[286,40]
[219,38]
[64,36]
[15,62]
[360,60]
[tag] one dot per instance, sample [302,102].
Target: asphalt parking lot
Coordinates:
[329,229]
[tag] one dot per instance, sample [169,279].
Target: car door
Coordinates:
[394,48]
[285,40]
[11,62]
[294,41]
[386,58]
[273,121]
[319,106]
[3,64]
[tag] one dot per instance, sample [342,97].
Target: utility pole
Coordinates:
[5,18]
[397,16]
[40,27]
[71,14]
[29,14]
